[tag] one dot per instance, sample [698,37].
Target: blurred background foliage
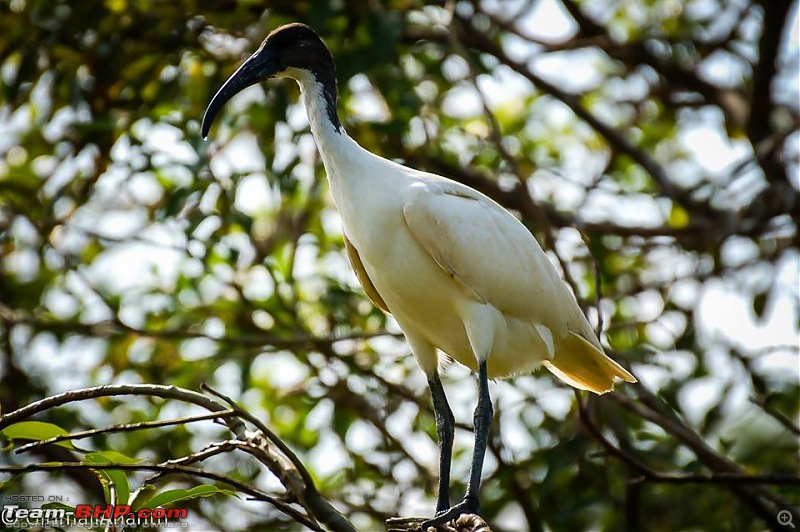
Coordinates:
[651,146]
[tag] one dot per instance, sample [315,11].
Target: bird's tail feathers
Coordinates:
[583,365]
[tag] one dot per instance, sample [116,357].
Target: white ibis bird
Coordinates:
[460,274]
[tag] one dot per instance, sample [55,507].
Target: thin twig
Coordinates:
[206,452]
[110,390]
[781,418]
[723,478]
[650,475]
[598,286]
[128,427]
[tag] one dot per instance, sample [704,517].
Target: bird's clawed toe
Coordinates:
[468,506]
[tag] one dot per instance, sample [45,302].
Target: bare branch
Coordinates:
[154,390]
[225,414]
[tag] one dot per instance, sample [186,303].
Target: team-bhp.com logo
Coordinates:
[90,516]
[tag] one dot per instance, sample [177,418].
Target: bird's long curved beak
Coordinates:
[252,71]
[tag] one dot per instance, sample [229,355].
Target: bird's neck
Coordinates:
[334,144]
[357,178]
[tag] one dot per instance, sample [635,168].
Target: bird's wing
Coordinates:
[487,251]
[496,260]
[363,278]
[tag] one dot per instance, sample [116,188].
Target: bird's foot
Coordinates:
[468,506]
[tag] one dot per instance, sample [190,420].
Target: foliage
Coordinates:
[651,147]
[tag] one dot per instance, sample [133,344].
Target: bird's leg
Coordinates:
[445,425]
[482,419]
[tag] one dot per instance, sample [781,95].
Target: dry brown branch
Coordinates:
[276,455]
[127,427]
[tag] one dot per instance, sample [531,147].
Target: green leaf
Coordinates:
[122,487]
[59,505]
[112,476]
[110,457]
[36,430]
[141,496]
[176,495]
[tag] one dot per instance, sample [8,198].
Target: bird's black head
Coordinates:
[291,50]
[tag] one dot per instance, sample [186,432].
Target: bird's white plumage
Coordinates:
[457,271]
[490,252]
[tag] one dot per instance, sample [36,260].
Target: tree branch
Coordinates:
[154,390]
[170,469]
[128,427]
[290,470]
[755,496]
